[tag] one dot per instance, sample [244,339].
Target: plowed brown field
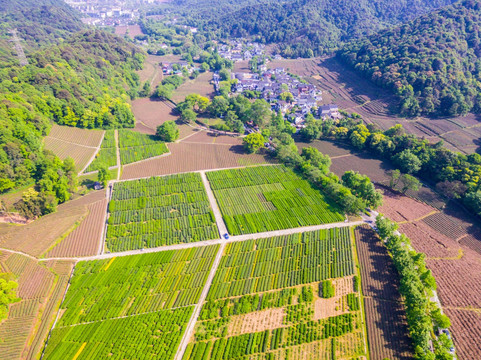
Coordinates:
[385,315]
[187,157]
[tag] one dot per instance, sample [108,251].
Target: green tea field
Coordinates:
[267,198]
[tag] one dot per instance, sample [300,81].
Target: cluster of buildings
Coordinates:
[108,12]
[175,68]
[286,93]
[239,51]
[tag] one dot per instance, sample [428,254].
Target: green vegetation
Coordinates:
[135,146]
[417,285]
[267,198]
[152,336]
[432,63]
[130,307]
[253,142]
[131,285]
[168,131]
[455,175]
[159,211]
[8,295]
[107,154]
[299,28]
[275,263]
[241,289]
[58,86]
[327,289]
[38,22]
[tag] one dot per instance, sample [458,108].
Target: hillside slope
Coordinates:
[86,81]
[432,63]
[313,27]
[38,21]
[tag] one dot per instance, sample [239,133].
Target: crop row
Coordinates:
[267,198]
[136,146]
[157,185]
[150,336]
[107,154]
[159,211]
[155,201]
[237,347]
[274,263]
[130,285]
[133,154]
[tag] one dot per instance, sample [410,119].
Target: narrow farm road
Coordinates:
[213,204]
[93,156]
[198,307]
[211,242]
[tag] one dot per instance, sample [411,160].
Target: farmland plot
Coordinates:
[40,289]
[79,144]
[107,154]
[244,317]
[268,198]
[385,314]
[135,146]
[159,211]
[127,306]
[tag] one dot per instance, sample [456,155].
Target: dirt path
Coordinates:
[213,204]
[198,307]
[207,242]
[93,156]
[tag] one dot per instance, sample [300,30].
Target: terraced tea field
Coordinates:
[266,301]
[107,154]
[135,146]
[267,198]
[159,211]
[123,307]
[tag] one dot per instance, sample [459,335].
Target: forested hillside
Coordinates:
[433,63]
[38,21]
[306,27]
[85,81]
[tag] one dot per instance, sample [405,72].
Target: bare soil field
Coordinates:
[152,113]
[80,154]
[400,208]
[84,240]
[351,92]
[40,235]
[468,325]
[256,321]
[186,157]
[333,149]
[131,30]
[84,137]
[200,85]
[79,144]
[41,289]
[207,137]
[452,244]
[152,71]
[385,315]
[364,164]
[425,239]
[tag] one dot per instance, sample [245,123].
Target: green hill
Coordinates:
[306,27]
[432,63]
[38,21]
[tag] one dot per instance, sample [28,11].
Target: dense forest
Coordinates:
[433,63]
[38,21]
[75,77]
[303,28]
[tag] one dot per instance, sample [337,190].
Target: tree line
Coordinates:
[433,63]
